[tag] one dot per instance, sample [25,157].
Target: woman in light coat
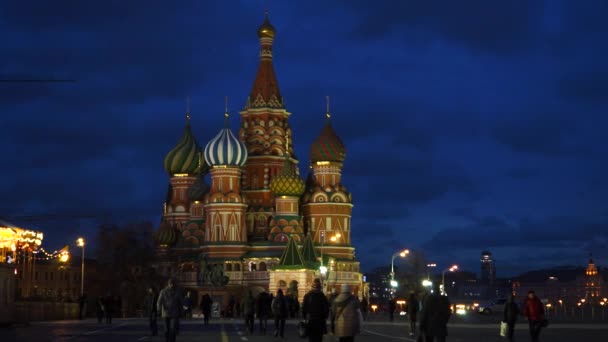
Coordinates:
[345,315]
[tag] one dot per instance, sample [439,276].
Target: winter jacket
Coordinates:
[511,312]
[315,306]
[248,305]
[534,309]
[169,303]
[279,307]
[263,305]
[345,313]
[435,315]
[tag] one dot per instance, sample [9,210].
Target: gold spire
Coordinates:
[327,114]
[188,108]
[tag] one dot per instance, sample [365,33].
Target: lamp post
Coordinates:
[323,268]
[402,254]
[80,243]
[451,269]
[432,265]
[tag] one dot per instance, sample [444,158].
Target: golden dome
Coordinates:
[266,30]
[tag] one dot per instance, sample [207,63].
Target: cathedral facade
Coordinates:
[257,223]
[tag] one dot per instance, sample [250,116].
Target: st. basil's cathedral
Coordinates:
[258,222]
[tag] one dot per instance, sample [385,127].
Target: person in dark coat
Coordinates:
[511,312]
[206,304]
[169,304]
[364,307]
[151,310]
[280,311]
[249,311]
[108,304]
[435,315]
[99,309]
[534,310]
[392,306]
[263,308]
[412,312]
[315,309]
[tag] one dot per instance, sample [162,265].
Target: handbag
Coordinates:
[303,329]
[503,329]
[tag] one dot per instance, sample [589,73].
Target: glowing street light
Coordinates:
[80,243]
[402,254]
[427,283]
[451,269]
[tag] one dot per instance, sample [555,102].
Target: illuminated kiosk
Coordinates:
[17,248]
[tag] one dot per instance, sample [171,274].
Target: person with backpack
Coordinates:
[345,315]
[315,309]
[280,312]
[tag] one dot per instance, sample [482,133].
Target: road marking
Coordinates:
[389,336]
[142,338]
[224,335]
[244,338]
[102,329]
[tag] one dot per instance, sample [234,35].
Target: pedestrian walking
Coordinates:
[364,307]
[534,310]
[412,312]
[249,310]
[187,305]
[511,311]
[315,309]
[108,305]
[280,312]
[151,311]
[392,306]
[263,307]
[346,315]
[434,316]
[99,309]
[206,304]
[169,305]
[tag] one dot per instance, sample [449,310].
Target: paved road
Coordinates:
[233,331]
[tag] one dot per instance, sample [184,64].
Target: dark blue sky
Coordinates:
[469,125]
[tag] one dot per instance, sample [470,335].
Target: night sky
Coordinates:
[469,125]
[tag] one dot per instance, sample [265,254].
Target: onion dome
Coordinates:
[225,149]
[328,146]
[287,182]
[166,234]
[266,30]
[183,158]
[198,190]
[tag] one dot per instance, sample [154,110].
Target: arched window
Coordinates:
[228,267]
[263,266]
[237,267]
[252,266]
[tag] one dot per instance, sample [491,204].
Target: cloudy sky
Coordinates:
[469,125]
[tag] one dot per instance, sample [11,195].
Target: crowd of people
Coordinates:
[340,313]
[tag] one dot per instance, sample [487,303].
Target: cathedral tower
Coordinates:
[182,165]
[326,204]
[267,136]
[225,233]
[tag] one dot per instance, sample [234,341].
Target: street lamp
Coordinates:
[432,265]
[323,268]
[402,254]
[451,269]
[80,243]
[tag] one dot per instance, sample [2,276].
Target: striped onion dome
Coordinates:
[328,146]
[198,190]
[287,182]
[166,234]
[183,158]
[225,149]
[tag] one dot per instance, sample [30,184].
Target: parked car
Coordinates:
[497,305]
